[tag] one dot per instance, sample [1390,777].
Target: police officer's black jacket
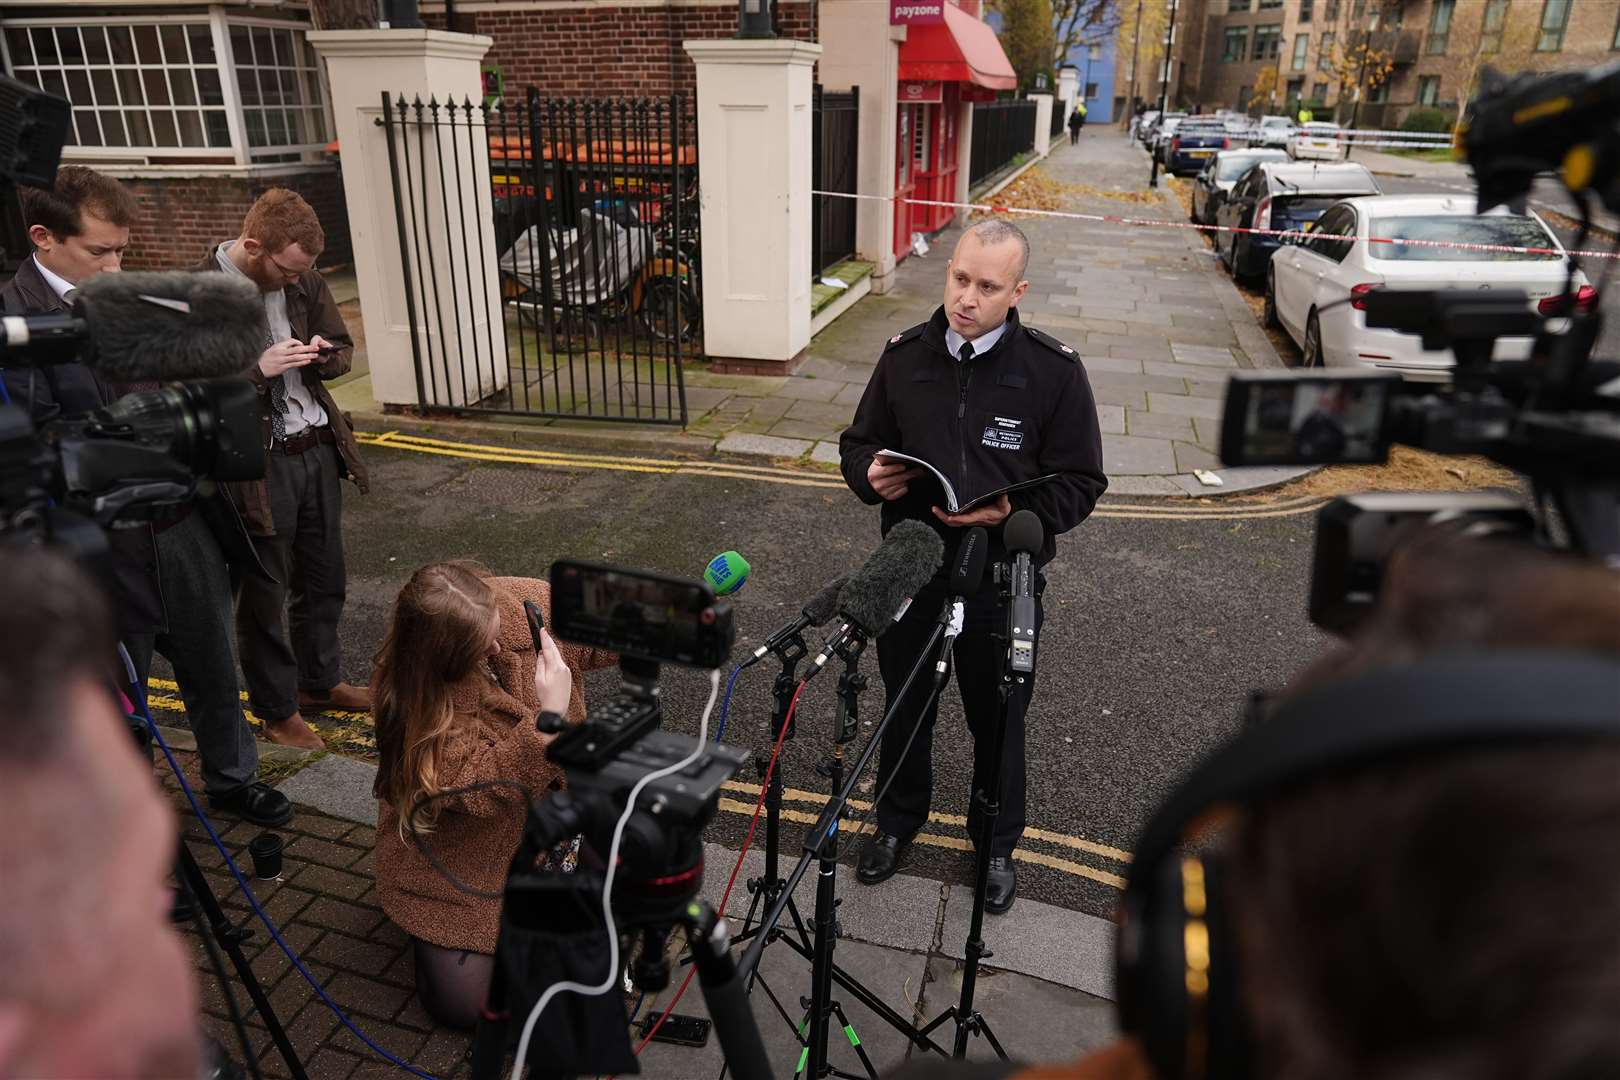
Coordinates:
[1022,410]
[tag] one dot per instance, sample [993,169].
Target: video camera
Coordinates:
[1547,417]
[553,924]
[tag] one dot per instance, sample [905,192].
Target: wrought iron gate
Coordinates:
[579,296]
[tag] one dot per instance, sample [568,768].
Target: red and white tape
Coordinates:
[1118,219]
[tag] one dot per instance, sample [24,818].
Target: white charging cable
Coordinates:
[610,979]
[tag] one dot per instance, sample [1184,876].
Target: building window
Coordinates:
[1237,44]
[1319,92]
[1554,20]
[1305,12]
[1331,15]
[1093,52]
[1239,5]
[1615,44]
[1324,52]
[1243,97]
[230,91]
[1268,4]
[1091,89]
[1358,11]
[1302,46]
[1429,91]
[1379,94]
[1440,26]
[1490,32]
[1267,42]
[1296,89]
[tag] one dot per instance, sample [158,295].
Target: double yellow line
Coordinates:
[564,459]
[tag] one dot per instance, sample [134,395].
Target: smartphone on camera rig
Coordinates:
[551,923]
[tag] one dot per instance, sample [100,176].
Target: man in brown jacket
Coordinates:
[295,513]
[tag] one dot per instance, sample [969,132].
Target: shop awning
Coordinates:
[960,49]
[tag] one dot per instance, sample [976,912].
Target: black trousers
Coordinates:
[977,669]
[197,595]
[306,555]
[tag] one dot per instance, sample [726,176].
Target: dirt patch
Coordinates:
[1181,188]
[1406,470]
[1038,190]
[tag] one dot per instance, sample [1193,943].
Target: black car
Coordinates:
[1198,139]
[1215,179]
[1286,196]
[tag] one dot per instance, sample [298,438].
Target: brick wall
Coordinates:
[180,218]
[607,51]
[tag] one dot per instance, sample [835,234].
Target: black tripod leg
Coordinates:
[230,938]
[855,1042]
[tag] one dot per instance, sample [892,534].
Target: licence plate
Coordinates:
[1199,153]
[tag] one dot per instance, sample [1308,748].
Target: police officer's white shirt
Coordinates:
[981,344]
[303,411]
[60,285]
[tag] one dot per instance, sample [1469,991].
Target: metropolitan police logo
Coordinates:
[1005,434]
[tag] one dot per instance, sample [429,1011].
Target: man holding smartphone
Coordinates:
[295,513]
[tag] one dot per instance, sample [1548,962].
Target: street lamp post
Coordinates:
[1136,53]
[754,19]
[1164,87]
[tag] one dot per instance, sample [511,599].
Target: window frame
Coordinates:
[236,157]
[1428,82]
[1306,11]
[1439,37]
[1321,234]
[1269,32]
[1542,30]
[1301,56]
[1241,35]
[1490,38]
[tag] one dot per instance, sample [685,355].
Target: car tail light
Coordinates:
[1226,144]
[1585,298]
[1175,144]
[1358,294]
[1262,213]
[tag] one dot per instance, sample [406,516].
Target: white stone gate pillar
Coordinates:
[754,112]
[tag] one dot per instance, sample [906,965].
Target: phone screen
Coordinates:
[537,621]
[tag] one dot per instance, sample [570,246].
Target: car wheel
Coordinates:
[1271,320]
[1313,342]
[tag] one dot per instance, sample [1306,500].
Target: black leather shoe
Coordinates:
[257,802]
[998,895]
[881,858]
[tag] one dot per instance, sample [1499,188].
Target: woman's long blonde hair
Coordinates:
[439,633]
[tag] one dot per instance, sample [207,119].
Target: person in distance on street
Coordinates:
[1447,914]
[93,979]
[295,513]
[990,401]
[457,691]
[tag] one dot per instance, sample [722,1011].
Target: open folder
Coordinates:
[953,503]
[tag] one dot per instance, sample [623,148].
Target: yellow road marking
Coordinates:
[174,704]
[561,459]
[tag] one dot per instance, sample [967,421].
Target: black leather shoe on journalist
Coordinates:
[998,895]
[256,802]
[881,858]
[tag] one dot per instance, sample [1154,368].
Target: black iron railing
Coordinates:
[579,294]
[1002,130]
[835,140]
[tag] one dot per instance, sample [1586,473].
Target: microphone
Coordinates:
[881,590]
[149,327]
[726,573]
[1022,536]
[967,574]
[816,612]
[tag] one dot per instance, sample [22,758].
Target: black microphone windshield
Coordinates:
[175,325]
[902,564]
[824,605]
[1023,533]
[967,571]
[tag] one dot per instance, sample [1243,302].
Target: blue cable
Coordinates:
[146,715]
[5,394]
[639,999]
[725,706]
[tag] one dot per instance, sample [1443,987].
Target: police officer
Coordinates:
[989,402]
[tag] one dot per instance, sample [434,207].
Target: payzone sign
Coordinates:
[916,12]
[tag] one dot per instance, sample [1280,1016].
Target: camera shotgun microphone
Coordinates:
[1022,536]
[880,591]
[967,574]
[816,612]
[148,327]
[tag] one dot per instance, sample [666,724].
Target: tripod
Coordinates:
[225,933]
[821,845]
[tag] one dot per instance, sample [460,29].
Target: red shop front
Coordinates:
[943,65]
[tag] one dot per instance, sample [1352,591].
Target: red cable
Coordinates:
[747,840]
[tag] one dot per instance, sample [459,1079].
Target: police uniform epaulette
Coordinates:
[1051,343]
[905,336]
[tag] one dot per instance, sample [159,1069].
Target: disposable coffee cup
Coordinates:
[266,851]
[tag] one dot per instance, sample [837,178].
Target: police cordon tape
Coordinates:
[1117,219]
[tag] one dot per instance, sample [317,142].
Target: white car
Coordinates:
[1272,131]
[1313,288]
[1317,141]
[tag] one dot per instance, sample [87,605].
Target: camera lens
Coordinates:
[209,425]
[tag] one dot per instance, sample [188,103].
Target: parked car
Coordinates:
[1308,282]
[1282,195]
[1163,133]
[1196,141]
[1318,141]
[1273,131]
[1141,123]
[1219,173]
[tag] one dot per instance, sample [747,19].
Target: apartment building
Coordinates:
[1433,50]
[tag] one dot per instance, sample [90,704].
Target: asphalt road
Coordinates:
[1155,632]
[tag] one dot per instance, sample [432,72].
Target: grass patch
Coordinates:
[1439,153]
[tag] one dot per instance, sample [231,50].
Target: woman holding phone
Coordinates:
[457,689]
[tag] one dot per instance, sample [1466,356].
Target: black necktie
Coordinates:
[966,352]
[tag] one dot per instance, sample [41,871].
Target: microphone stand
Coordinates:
[969,1021]
[817,841]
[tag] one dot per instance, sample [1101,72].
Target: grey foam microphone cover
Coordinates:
[172,325]
[902,564]
[824,605]
[1023,533]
